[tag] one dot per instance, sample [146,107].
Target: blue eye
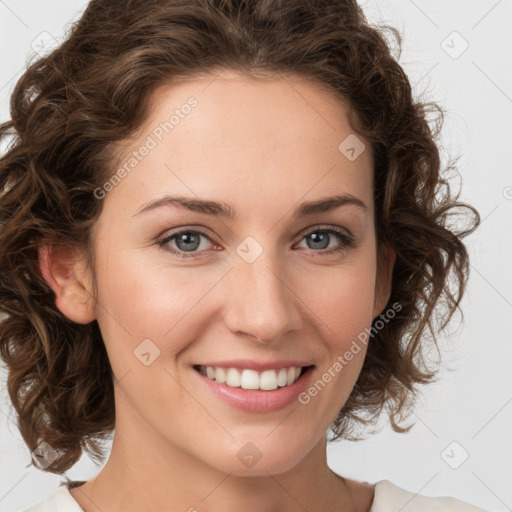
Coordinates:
[186,243]
[319,237]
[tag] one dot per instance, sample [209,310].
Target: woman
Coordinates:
[224,234]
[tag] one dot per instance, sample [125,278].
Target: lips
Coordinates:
[256,400]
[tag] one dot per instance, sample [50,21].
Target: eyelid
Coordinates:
[203,230]
[319,227]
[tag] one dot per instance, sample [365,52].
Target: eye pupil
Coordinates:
[188,239]
[319,238]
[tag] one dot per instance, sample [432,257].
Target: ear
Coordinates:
[383,281]
[67,275]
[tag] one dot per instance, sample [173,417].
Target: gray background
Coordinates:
[471,405]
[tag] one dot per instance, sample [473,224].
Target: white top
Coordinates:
[388,498]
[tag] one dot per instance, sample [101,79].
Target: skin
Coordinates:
[264,147]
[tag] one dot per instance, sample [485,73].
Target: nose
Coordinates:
[261,300]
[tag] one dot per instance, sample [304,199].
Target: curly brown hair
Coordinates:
[71,106]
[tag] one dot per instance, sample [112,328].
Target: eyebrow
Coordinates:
[225,210]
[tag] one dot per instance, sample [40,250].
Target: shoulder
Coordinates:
[60,501]
[389,498]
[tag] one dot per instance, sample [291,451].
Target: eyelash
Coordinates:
[348,242]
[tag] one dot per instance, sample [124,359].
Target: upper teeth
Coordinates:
[251,379]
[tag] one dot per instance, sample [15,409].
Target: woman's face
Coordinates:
[266,285]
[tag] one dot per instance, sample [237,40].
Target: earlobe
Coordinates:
[67,276]
[383,285]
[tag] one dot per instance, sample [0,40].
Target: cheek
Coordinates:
[342,307]
[342,298]
[341,315]
[143,299]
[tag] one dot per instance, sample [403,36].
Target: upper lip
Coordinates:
[256,365]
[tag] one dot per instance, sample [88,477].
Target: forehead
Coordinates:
[230,135]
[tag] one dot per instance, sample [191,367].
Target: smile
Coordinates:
[246,378]
[261,390]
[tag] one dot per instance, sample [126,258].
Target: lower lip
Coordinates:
[254,400]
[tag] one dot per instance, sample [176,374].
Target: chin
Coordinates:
[254,458]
